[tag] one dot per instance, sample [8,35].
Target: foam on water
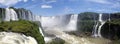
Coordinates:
[15,38]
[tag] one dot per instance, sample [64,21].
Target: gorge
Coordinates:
[72,26]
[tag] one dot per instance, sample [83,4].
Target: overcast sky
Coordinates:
[60,7]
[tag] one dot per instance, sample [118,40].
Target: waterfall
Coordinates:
[16,38]
[101,24]
[95,30]
[41,31]
[23,14]
[30,18]
[13,15]
[53,21]
[10,14]
[64,23]
[97,27]
[72,25]
[67,22]
[38,19]
[7,16]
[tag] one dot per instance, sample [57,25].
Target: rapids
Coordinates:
[16,38]
[72,39]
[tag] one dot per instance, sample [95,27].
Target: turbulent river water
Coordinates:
[72,39]
[16,38]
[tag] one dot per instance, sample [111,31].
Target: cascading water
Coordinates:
[95,30]
[10,14]
[49,23]
[38,18]
[7,16]
[41,31]
[72,25]
[13,15]
[54,21]
[101,24]
[23,14]
[15,38]
[30,18]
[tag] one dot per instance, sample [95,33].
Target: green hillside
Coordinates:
[25,27]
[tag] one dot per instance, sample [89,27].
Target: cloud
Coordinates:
[100,1]
[109,3]
[116,5]
[45,3]
[25,0]
[46,6]
[10,2]
[101,10]
[49,1]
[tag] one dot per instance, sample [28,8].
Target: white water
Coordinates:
[10,14]
[15,38]
[48,22]
[38,18]
[48,39]
[95,31]
[13,15]
[58,31]
[69,39]
[66,23]
[30,18]
[41,31]
[101,24]
[72,25]
[54,21]
[7,16]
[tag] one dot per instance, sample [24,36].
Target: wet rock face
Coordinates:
[106,32]
[111,29]
[86,21]
[106,16]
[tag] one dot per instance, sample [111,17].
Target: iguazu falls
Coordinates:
[59,22]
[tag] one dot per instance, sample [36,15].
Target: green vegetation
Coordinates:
[86,21]
[22,26]
[111,30]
